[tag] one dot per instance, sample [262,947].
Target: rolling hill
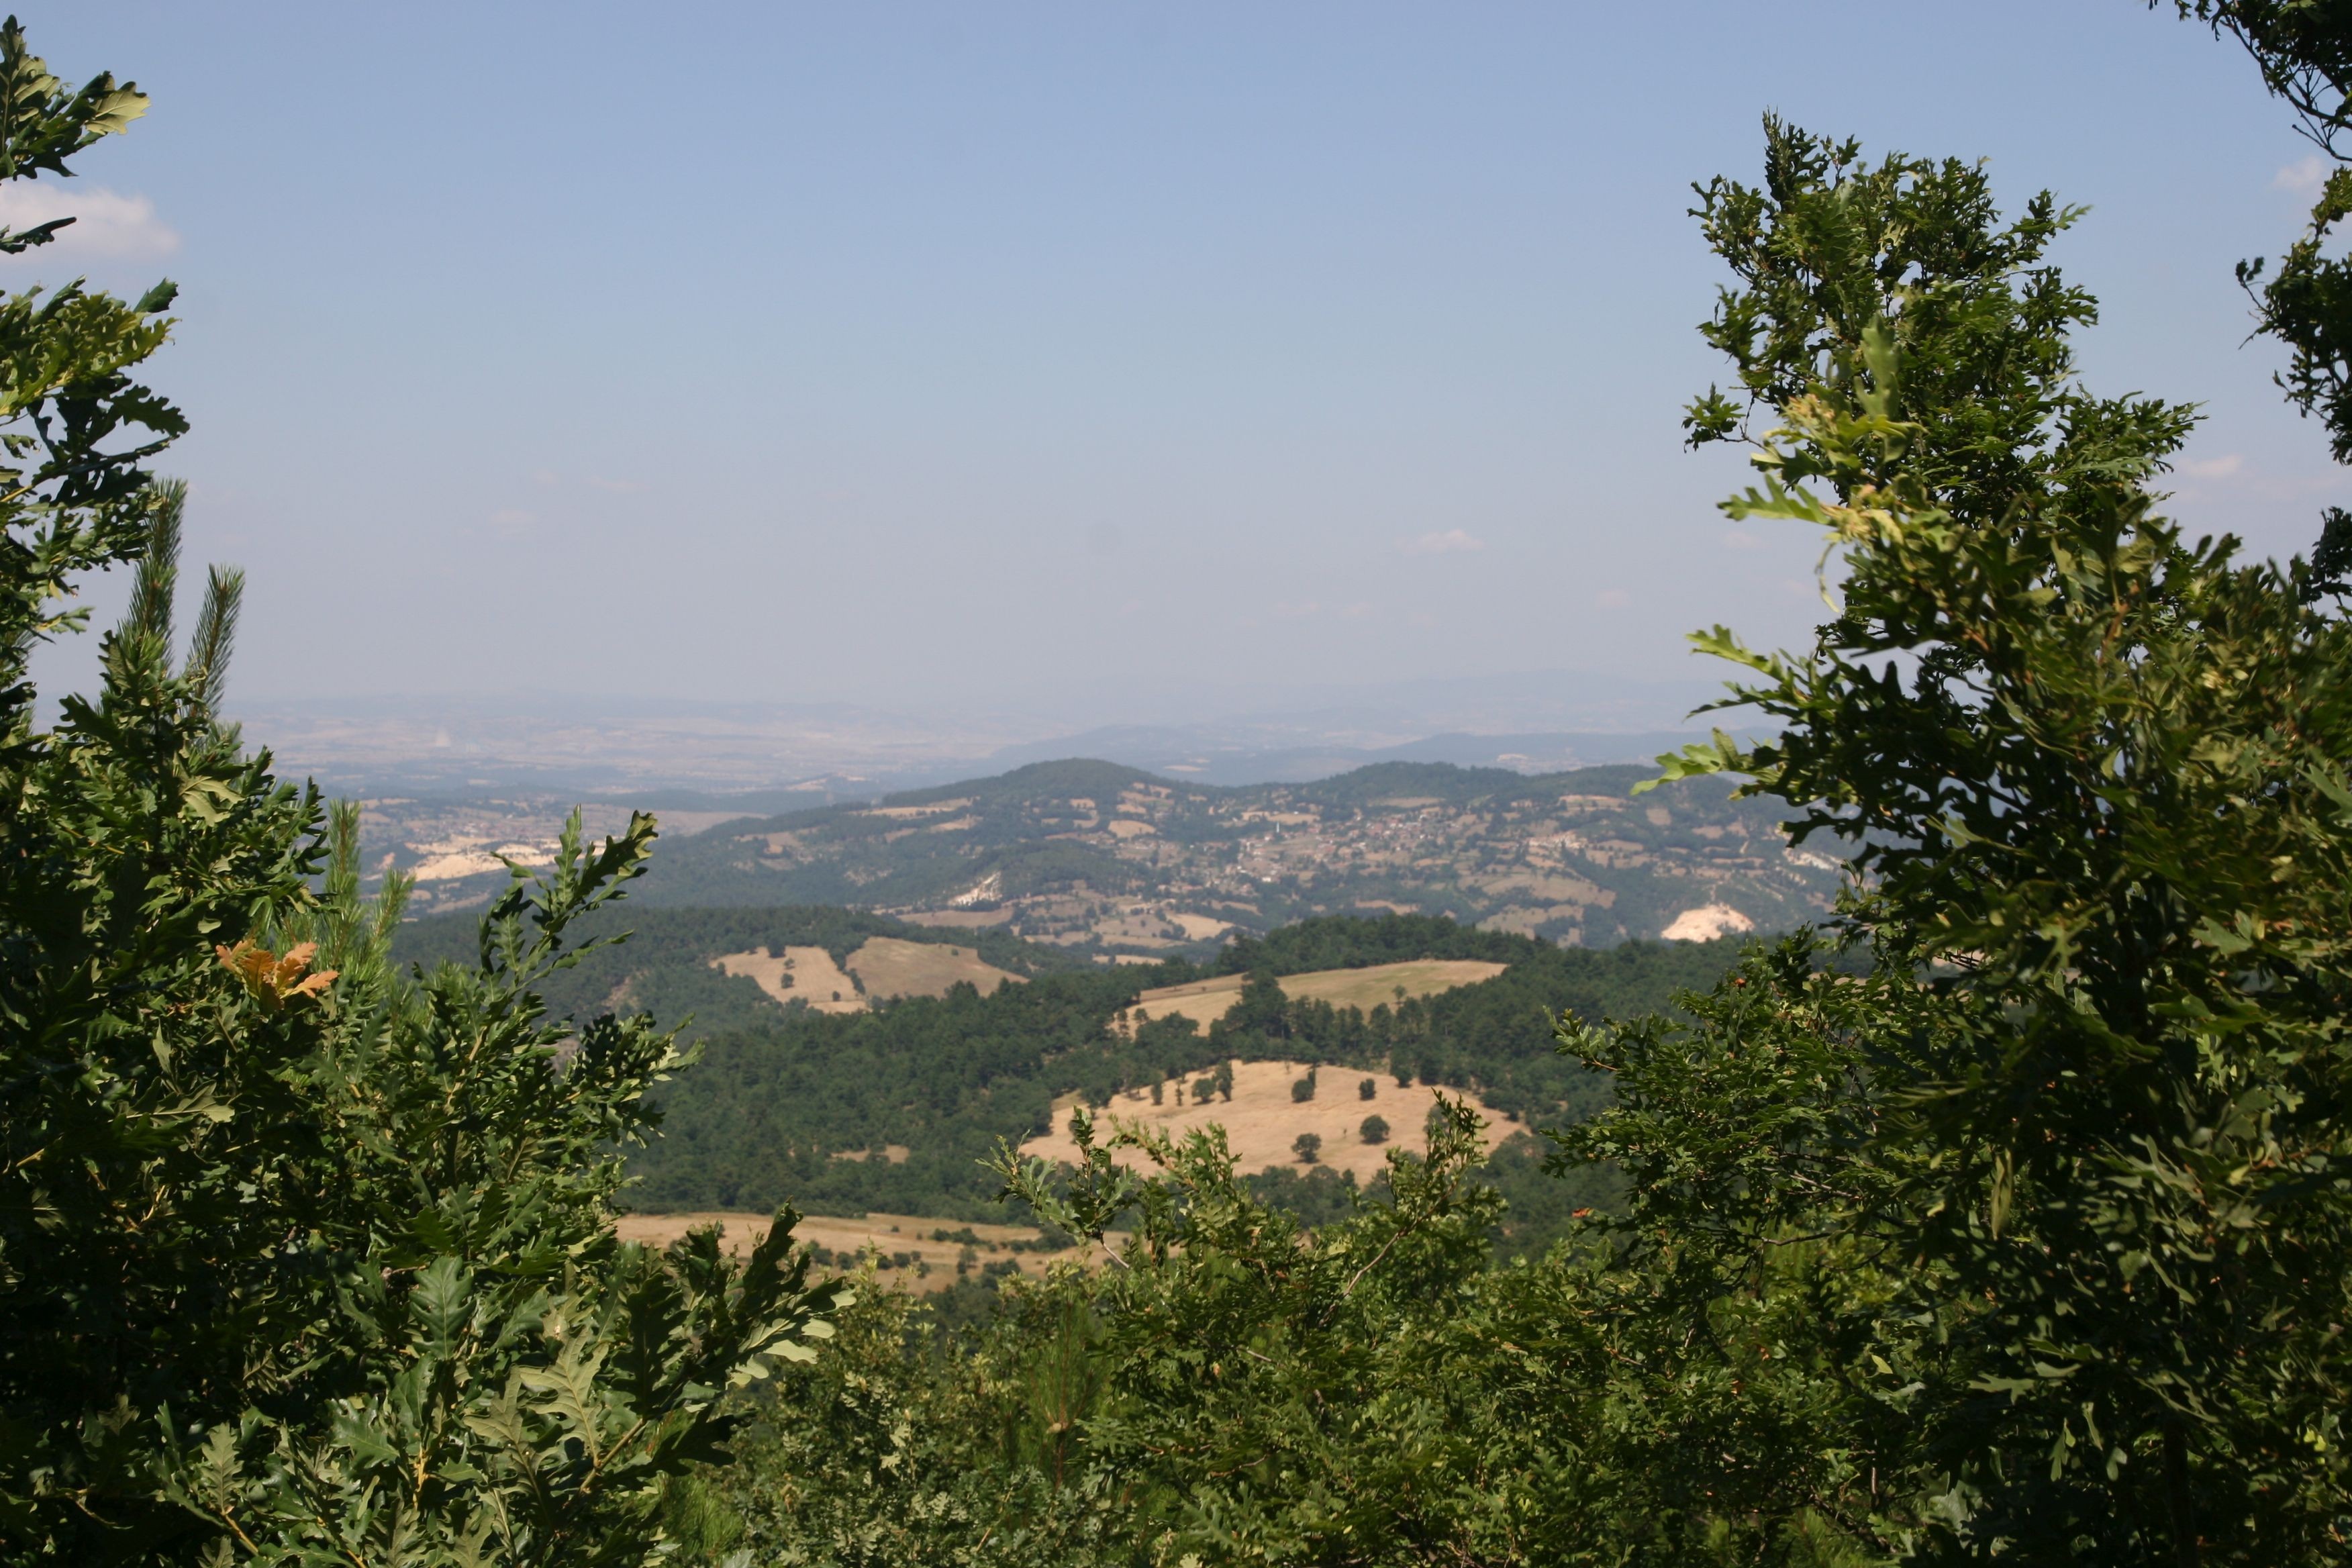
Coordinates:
[1108,860]
[889,1105]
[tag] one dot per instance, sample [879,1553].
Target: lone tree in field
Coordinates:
[1308,1147]
[1375,1130]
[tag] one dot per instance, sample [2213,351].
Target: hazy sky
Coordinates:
[915,352]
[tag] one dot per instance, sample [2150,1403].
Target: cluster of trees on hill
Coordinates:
[2009,1221]
[781,1095]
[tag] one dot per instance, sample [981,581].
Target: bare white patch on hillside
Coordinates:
[1706,922]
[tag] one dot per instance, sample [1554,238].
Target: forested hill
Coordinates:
[1103,859]
[890,1102]
[673,962]
[942,1042]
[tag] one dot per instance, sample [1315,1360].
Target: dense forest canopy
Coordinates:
[2005,1216]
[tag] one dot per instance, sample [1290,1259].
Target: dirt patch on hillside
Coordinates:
[893,966]
[1205,1001]
[798,973]
[1262,1122]
[932,1263]
[1706,922]
[1199,928]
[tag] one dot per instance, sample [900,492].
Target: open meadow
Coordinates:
[919,1252]
[883,967]
[1380,985]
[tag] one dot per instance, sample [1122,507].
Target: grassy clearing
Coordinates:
[1205,1001]
[804,973]
[884,966]
[888,1234]
[893,966]
[1263,1122]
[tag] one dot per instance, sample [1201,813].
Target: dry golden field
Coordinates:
[885,1233]
[884,966]
[1262,1121]
[808,974]
[1205,1001]
[893,966]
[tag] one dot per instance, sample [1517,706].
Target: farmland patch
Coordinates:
[1263,1122]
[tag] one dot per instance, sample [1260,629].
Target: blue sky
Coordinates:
[1085,355]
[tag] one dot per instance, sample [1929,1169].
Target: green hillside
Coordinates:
[789,1103]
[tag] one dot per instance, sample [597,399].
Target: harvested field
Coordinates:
[893,966]
[956,920]
[1366,988]
[1199,928]
[1205,1001]
[1262,1121]
[805,974]
[888,1234]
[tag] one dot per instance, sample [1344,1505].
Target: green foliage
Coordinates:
[1374,1130]
[299,1260]
[2101,775]
[1355,941]
[1276,1394]
[904,1445]
[762,1116]
[1763,1367]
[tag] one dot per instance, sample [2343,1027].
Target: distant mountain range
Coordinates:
[668,750]
[1112,861]
[1201,753]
